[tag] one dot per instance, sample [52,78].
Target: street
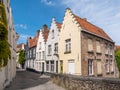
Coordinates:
[26,80]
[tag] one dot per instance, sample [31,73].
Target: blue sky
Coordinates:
[30,15]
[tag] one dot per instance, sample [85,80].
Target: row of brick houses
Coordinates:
[74,47]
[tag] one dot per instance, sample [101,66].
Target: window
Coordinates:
[39,55]
[56,48]
[40,45]
[33,52]
[90,45]
[68,45]
[49,50]
[52,34]
[106,49]
[30,53]
[52,66]
[47,65]
[111,50]
[98,48]
[111,66]
[99,68]
[90,67]
[106,66]
[43,54]
[61,66]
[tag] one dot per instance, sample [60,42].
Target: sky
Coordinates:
[30,15]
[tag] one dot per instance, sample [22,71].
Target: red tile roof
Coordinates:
[91,28]
[33,41]
[117,47]
[45,34]
[58,25]
[19,45]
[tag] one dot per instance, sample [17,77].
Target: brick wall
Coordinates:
[85,83]
[96,56]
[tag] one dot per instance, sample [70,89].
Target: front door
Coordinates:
[71,67]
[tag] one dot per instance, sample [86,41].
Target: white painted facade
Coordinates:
[40,53]
[52,58]
[8,72]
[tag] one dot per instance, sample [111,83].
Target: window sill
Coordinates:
[98,53]
[91,75]
[49,54]
[112,72]
[67,52]
[99,75]
[107,72]
[56,54]
[106,54]
[91,51]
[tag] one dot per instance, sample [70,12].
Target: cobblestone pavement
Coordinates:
[26,80]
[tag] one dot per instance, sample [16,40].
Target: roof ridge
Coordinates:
[91,27]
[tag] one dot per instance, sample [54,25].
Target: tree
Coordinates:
[22,59]
[117,57]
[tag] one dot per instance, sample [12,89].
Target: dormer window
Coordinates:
[52,34]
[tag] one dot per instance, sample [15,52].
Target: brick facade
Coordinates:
[94,56]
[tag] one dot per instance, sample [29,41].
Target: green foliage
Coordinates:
[117,57]
[4,45]
[3,15]
[21,57]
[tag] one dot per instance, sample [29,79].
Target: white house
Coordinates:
[52,47]
[40,49]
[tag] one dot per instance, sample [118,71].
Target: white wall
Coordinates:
[51,41]
[39,59]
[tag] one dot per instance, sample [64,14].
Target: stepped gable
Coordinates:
[45,32]
[87,26]
[33,41]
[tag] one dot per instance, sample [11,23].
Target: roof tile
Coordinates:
[91,28]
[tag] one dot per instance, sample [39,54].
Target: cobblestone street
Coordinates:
[26,80]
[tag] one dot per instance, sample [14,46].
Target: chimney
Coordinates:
[45,27]
[85,19]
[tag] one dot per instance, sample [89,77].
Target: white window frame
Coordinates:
[56,48]
[68,45]
[90,67]
[107,66]
[49,49]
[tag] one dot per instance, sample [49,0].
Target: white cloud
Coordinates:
[22,26]
[104,13]
[23,38]
[48,2]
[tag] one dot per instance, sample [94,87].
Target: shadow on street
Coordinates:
[27,79]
